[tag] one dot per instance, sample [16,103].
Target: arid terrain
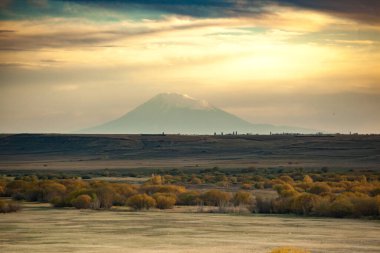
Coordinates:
[71,152]
[41,228]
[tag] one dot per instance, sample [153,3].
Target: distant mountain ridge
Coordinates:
[176,113]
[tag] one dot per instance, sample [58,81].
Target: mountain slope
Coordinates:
[175,113]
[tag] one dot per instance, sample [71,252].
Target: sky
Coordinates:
[69,65]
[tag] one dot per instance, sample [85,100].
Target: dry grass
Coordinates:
[40,228]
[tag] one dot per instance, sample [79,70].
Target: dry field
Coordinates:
[73,152]
[40,228]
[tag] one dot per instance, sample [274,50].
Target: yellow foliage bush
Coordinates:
[141,201]
[164,201]
[289,250]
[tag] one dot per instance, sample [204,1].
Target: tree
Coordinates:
[141,201]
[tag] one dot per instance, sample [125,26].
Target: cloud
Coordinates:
[39,3]
[359,10]
[63,33]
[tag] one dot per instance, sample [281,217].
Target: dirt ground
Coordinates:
[40,228]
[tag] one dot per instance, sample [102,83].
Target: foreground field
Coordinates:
[40,228]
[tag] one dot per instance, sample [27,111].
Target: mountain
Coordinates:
[175,113]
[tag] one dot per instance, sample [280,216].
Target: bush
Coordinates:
[164,201]
[242,198]
[195,180]
[284,190]
[307,179]
[304,203]
[151,189]
[263,205]
[156,180]
[82,202]
[341,207]
[141,201]
[246,186]
[322,207]
[9,206]
[216,198]
[289,250]
[282,205]
[105,195]
[189,198]
[320,188]
[287,179]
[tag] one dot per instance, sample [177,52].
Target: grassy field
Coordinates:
[40,228]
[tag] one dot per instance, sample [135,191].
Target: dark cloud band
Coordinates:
[361,10]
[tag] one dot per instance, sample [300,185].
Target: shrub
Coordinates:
[322,207]
[282,205]
[164,201]
[284,190]
[375,191]
[157,180]
[125,190]
[320,188]
[141,201]
[363,204]
[151,189]
[304,203]
[189,198]
[82,202]
[307,179]
[195,180]
[259,185]
[287,179]
[246,186]
[50,189]
[216,198]
[105,195]
[9,206]
[242,198]
[263,205]
[341,207]
[2,190]
[289,250]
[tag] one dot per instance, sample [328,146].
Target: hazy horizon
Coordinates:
[69,65]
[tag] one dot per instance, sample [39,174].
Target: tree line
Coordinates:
[335,197]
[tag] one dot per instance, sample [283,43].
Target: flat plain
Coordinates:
[83,152]
[41,228]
